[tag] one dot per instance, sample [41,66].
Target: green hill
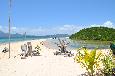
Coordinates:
[95,33]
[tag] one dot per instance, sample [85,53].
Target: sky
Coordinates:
[44,17]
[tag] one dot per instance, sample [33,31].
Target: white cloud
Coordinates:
[0,26]
[106,24]
[67,27]
[5,29]
[37,31]
[13,28]
[95,25]
[64,29]
[30,31]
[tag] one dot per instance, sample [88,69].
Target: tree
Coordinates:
[95,33]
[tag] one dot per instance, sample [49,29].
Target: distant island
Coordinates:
[17,35]
[5,35]
[95,33]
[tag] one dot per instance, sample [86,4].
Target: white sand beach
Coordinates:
[47,64]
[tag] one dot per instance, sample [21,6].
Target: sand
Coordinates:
[47,64]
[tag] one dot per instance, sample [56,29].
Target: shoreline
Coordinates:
[16,47]
[47,64]
[93,41]
[21,41]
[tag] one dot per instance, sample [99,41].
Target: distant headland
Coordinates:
[95,33]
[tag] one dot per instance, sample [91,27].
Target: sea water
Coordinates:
[6,40]
[77,44]
[52,43]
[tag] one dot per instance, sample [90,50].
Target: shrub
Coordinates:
[108,64]
[89,60]
[96,62]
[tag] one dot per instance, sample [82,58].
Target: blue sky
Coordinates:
[41,17]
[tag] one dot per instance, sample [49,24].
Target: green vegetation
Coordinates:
[108,64]
[95,33]
[88,59]
[95,62]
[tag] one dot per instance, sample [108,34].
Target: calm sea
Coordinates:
[52,43]
[77,44]
[6,40]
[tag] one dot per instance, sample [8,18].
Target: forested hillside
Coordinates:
[95,33]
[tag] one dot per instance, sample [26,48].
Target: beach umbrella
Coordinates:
[9,24]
